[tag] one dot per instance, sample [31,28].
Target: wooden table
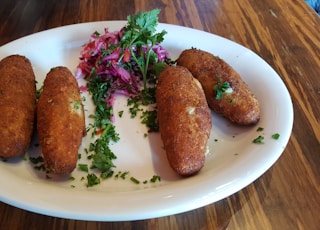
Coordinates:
[285,34]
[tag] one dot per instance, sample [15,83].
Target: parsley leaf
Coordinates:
[258,140]
[276,136]
[221,87]
[140,35]
[92,180]
[260,129]
[83,167]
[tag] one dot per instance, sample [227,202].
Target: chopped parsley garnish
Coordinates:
[76,105]
[107,174]
[260,129]
[149,118]
[92,180]
[134,180]
[99,90]
[123,175]
[38,92]
[103,156]
[83,167]
[36,160]
[221,88]
[155,178]
[102,159]
[275,136]
[137,104]
[258,140]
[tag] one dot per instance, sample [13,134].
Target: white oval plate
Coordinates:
[234,161]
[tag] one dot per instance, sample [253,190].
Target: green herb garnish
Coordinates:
[260,129]
[92,180]
[123,175]
[155,178]
[36,160]
[258,140]
[134,180]
[137,104]
[149,118]
[76,105]
[83,167]
[107,174]
[99,89]
[103,156]
[39,91]
[276,136]
[140,32]
[221,88]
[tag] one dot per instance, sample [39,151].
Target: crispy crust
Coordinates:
[60,121]
[184,119]
[17,105]
[241,106]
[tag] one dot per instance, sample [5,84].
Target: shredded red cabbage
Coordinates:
[103,57]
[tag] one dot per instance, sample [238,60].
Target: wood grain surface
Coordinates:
[285,33]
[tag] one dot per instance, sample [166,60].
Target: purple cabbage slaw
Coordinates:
[103,57]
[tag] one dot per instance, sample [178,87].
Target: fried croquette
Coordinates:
[227,94]
[17,105]
[184,119]
[60,121]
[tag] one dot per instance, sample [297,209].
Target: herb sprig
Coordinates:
[140,36]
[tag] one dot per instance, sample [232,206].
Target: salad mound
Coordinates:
[127,59]
[125,62]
